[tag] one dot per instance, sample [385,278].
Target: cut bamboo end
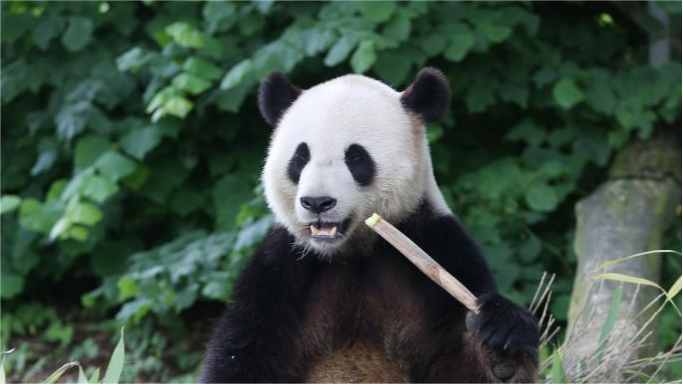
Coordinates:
[423,261]
[372,220]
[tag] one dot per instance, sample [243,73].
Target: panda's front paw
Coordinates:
[503,326]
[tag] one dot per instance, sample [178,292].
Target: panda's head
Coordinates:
[347,148]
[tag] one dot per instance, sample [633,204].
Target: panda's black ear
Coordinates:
[275,95]
[428,96]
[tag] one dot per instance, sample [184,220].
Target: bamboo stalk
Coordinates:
[423,261]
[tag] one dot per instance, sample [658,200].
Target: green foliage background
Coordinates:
[132,145]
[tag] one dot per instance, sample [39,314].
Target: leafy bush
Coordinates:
[131,144]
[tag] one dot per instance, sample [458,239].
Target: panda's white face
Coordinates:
[343,150]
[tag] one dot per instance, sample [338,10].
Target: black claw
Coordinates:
[504,371]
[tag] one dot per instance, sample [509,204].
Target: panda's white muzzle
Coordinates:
[321,229]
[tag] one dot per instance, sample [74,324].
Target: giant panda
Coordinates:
[325,299]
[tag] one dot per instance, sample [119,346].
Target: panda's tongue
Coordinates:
[324,229]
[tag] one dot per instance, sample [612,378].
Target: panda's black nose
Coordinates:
[318,204]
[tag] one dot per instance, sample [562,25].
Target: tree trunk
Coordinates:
[628,214]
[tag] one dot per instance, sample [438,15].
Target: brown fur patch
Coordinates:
[372,320]
[359,363]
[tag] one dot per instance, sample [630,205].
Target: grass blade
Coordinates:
[95,376]
[115,367]
[58,373]
[611,317]
[82,379]
[617,261]
[557,371]
[675,289]
[2,372]
[627,279]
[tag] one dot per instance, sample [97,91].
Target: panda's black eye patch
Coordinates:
[360,164]
[298,161]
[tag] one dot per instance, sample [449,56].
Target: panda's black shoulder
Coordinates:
[446,240]
[276,262]
[426,223]
[277,242]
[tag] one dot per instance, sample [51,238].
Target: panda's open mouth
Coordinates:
[328,231]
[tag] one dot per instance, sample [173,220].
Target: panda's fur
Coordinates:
[346,306]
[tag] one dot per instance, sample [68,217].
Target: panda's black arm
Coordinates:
[447,242]
[500,326]
[255,339]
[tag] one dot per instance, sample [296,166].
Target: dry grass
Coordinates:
[618,358]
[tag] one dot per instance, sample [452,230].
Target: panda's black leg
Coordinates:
[506,339]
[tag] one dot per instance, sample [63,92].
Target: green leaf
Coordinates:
[434,133]
[377,11]
[48,29]
[530,249]
[341,50]
[459,46]
[60,229]
[187,200]
[178,106]
[45,160]
[10,284]
[184,35]
[495,33]
[139,142]
[98,188]
[399,27]
[364,57]
[128,288]
[567,94]
[541,197]
[133,59]
[78,34]
[601,98]
[84,213]
[202,67]
[317,40]
[220,14]
[526,131]
[115,367]
[392,67]
[114,166]
[433,44]
[237,74]
[78,232]
[228,194]
[89,148]
[479,97]
[162,97]
[9,203]
[38,217]
[191,83]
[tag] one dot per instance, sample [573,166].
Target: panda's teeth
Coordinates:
[315,231]
[333,232]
